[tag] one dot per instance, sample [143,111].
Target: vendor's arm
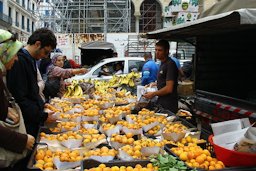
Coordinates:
[163,91]
[67,73]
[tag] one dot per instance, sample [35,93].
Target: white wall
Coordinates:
[120,40]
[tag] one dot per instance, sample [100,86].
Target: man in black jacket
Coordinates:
[22,79]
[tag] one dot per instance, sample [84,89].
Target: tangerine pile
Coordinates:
[196,157]
[138,167]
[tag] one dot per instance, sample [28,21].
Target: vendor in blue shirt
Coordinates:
[149,70]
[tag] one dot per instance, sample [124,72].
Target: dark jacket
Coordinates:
[22,83]
[9,139]
[3,100]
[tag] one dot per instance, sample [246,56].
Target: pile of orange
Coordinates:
[138,167]
[196,157]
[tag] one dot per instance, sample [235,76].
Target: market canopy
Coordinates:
[220,23]
[98,45]
[227,5]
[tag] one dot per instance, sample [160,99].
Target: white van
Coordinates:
[128,63]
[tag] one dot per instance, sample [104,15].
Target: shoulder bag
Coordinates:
[9,158]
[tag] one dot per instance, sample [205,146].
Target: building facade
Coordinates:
[19,16]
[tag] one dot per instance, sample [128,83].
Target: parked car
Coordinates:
[128,63]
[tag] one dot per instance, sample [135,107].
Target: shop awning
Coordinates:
[221,23]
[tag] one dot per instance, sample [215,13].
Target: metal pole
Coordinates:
[105,20]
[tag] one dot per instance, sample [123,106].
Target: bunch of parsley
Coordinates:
[168,163]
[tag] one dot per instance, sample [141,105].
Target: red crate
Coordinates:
[233,158]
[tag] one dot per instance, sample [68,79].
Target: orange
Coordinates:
[136,169]
[130,140]
[40,156]
[102,166]
[129,168]
[150,165]
[212,163]
[48,153]
[189,164]
[221,163]
[191,155]
[184,156]
[195,164]
[197,153]
[138,166]
[211,168]
[129,135]
[39,165]
[209,158]
[106,169]
[114,168]
[203,156]
[48,164]
[218,166]
[206,152]
[200,159]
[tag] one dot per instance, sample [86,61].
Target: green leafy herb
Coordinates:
[168,163]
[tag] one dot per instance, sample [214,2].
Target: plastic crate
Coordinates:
[233,158]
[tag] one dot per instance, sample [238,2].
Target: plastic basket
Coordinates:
[233,158]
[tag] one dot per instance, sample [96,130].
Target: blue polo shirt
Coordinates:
[149,72]
[177,62]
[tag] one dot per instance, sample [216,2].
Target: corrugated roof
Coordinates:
[221,23]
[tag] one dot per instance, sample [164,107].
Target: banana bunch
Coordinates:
[74,90]
[102,86]
[129,79]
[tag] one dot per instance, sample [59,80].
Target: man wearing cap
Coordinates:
[22,79]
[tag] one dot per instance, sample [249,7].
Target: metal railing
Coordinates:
[17,24]
[5,18]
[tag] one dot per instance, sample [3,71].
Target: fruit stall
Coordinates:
[101,127]
[104,125]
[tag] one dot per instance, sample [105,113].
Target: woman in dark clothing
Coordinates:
[10,140]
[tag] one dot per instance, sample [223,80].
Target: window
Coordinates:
[135,64]
[23,22]
[23,3]
[10,12]
[17,19]
[111,67]
[1,7]
[28,24]
[32,27]
[28,5]
[47,12]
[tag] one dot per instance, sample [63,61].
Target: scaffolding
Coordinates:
[85,16]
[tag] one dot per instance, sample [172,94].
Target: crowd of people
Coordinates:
[33,77]
[19,66]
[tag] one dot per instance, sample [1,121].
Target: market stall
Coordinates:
[223,68]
